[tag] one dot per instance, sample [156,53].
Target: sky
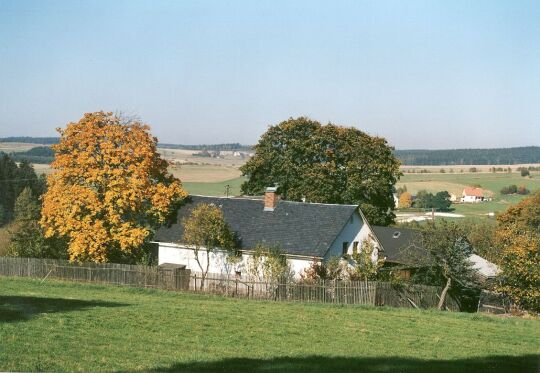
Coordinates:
[423,74]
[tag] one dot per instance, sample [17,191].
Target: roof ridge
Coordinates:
[281,200]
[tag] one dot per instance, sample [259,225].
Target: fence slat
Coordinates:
[324,291]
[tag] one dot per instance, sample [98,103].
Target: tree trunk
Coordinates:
[443,294]
[203,273]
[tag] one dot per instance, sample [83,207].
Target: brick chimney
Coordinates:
[271,199]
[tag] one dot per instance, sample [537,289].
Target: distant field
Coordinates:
[454,183]
[66,327]
[8,147]
[204,173]
[215,189]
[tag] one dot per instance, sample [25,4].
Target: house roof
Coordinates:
[400,245]
[474,192]
[297,228]
[404,246]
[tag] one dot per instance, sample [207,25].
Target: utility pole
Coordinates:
[227,189]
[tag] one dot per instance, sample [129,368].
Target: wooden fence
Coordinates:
[329,291]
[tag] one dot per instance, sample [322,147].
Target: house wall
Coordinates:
[178,254]
[354,231]
[471,199]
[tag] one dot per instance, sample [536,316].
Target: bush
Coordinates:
[525,172]
[523,190]
[510,189]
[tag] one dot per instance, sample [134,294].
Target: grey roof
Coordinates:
[297,228]
[403,246]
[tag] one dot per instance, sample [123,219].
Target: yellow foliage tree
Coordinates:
[518,237]
[110,188]
[405,200]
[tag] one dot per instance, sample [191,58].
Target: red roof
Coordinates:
[475,192]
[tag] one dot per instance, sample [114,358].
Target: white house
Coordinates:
[303,231]
[475,195]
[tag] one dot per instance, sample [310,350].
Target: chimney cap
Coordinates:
[271,189]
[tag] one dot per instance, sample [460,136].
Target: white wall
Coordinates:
[471,199]
[354,231]
[178,254]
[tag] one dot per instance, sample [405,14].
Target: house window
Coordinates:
[344,248]
[355,247]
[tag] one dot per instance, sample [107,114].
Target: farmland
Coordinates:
[211,175]
[455,182]
[125,329]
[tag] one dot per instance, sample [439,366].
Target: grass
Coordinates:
[215,189]
[61,326]
[455,182]
[204,173]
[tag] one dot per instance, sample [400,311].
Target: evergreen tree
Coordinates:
[26,235]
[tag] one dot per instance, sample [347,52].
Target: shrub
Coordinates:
[510,189]
[523,190]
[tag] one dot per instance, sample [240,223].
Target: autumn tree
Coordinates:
[405,200]
[327,164]
[206,231]
[109,190]
[518,238]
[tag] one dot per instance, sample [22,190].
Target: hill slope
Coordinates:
[60,326]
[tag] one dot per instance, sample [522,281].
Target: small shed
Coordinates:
[174,276]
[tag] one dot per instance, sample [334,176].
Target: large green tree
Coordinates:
[327,164]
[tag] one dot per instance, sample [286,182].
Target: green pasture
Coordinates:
[59,326]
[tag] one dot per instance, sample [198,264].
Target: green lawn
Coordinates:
[215,189]
[60,326]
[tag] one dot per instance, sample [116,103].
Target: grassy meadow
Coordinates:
[217,189]
[455,182]
[61,326]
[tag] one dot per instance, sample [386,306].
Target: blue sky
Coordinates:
[424,74]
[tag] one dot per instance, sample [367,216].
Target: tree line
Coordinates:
[39,155]
[528,154]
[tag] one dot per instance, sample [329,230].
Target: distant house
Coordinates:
[305,232]
[475,195]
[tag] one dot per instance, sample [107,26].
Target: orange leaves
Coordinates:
[109,189]
[518,235]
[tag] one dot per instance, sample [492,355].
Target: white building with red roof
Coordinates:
[475,195]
